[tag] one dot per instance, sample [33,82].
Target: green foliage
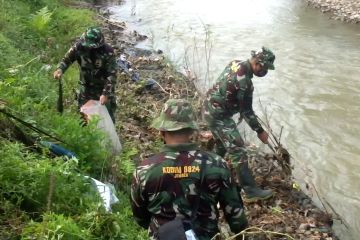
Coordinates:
[123,166]
[11,220]
[90,144]
[98,225]
[55,227]
[122,212]
[26,180]
[26,83]
[7,59]
[42,197]
[126,161]
[40,21]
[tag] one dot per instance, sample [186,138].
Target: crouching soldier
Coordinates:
[175,193]
[231,94]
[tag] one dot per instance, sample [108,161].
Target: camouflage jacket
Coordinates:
[233,93]
[97,67]
[167,185]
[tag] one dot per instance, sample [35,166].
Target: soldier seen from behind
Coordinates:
[231,94]
[97,64]
[178,189]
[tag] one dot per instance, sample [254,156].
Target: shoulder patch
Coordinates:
[241,71]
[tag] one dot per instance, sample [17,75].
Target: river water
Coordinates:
[314,92]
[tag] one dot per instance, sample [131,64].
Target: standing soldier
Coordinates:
[182,183]
[233,93]
[97,69]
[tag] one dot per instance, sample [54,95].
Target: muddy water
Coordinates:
[314,93]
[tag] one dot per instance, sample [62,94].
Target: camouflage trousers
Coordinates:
[227,139]
[87,94]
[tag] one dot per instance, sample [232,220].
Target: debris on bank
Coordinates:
[344,10]
[289,215]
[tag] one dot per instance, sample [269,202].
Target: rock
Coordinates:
[170,78]
[289,229]
[304,226]
[323,229]
[305,202]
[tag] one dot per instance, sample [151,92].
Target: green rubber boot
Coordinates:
[252,192]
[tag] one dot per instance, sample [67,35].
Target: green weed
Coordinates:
[43,197]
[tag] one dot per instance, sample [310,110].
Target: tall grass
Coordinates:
[43,197]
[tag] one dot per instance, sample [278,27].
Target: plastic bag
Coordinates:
[94,108]
[106,192]
[190,235]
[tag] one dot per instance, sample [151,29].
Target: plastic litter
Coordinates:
[123,64]
[190,235]
[150,84]
[106,192]
[135,76]
[93,108]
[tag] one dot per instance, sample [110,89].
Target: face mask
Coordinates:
[261,73]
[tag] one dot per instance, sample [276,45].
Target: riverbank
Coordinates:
[290,214]
[344,10]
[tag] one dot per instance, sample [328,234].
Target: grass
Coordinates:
[42,197]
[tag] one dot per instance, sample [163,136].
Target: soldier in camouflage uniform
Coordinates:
[167,185]
[231,94]
[97,69]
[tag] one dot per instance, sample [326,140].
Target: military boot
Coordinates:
[252,191]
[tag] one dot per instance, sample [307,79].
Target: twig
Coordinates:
[25,64]
[267,123]
[280,133]
[273,139]
[162,89]
[51,191]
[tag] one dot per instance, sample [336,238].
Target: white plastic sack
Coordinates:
[106,194]
[190,235]
[94,108]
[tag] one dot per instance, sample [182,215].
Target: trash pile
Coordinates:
[125,67]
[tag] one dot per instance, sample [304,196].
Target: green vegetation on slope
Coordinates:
[42,197]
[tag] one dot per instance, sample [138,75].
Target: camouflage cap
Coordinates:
[92,38]
[176,114]
[265,57]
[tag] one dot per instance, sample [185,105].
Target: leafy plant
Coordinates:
[124,166]
[43,197]
[38,184]
[40,20]
[55,227]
